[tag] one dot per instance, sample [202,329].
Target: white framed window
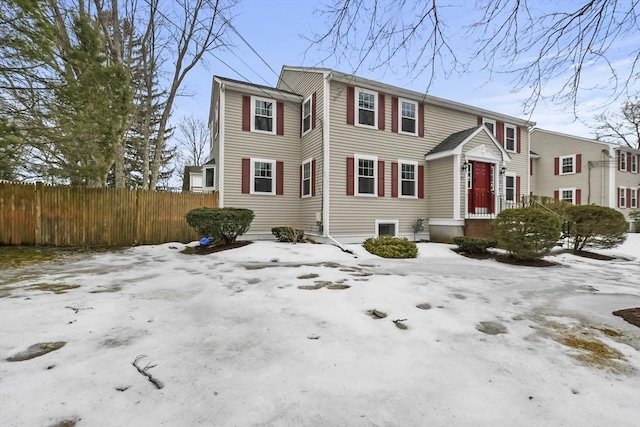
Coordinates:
[407,179]
[634,163]
[408,116]
[568,195]
[306,178]
[567,164]
[366,175]
[510,187]
[386,227]
[209,175]
[263,115]
[366,108]
[634,198]
[470,176]
[490,124]
[510,138]
[623,161]
[306,115]
[263,176]
[622,197]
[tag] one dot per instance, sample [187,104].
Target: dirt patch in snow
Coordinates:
[211,249]
[506,259]
[631,315]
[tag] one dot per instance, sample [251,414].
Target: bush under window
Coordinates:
[527,233]
[288,234]
[225,225]
[391,247]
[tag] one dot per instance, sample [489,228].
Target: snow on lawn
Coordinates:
[236,342]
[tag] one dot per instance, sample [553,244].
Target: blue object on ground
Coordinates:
[206,241]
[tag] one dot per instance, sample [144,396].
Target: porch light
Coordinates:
[465,166]
[503,170]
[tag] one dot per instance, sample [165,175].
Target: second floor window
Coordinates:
[623,161]
[367,108]
[510,188]
[567,165]
[263,114]
[306,178]
[408,117]
[490,124]
[510,138]
[634,163]
[306,115]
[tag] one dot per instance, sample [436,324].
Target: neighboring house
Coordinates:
[346,158]
[192,179]
[585,171]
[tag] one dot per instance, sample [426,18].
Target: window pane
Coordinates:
[264,108]
[408,188]
[366,100]
[490,126]
[567,165]
[306,187]
[365,185]
[408,171]
[306,124]
[262,185]
[510,188]
[366,117]
[366,108]
[365,167]
[408,125]
[408,110]
[264,123]
[209,176]
[386,229]
[567,195]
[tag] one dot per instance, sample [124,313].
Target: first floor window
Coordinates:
[566,195]
[263,174]
[510,138]
[366,176]
[263,114]
[622,197]
[634,198]
[306,178]
[386,228]
[408,179]
[306,115]
[209,176]
[510,188]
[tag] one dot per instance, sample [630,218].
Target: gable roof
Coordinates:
[351,79]
[452,144]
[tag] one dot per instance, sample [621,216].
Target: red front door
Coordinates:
[480,193]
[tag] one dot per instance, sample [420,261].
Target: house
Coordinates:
[192,179]
[347,158]
[585,171]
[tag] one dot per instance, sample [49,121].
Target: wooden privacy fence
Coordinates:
[77,216]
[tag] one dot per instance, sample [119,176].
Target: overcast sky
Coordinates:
[275,29]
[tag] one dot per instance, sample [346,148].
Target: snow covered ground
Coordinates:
[236,341]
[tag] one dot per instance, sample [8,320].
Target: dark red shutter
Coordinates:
[394,179]
[578,163]
[556,195]
[313,177]
[421,119]
[313,111]
[479,120]
[380,178]
[279,178]
[500,132]
[618,158]
[350,176]
[394,114]
[421,182]
[618,196]
[578,197]
[628,197]
[301,179]
[518,143]
[530,166]
[351,96]
[301,119]
[381,111]
[628,162]
[280,118]
[517,189]
[246,175]
[556,165]
[246,113]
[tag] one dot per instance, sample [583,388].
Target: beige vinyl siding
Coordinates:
[519,163]
[354,215]
[550,146]
[305,84]
[441,122]
[439,188]
[270,210]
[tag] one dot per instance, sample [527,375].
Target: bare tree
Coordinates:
[192,140]
[535,46]
[621,128]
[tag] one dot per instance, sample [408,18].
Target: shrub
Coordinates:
[635,217]
[527,233]
[557,206]
[592,226]
[474,245]
[223,224]
[288,234]
[391,247]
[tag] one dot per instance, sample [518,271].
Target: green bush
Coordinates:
[474,245]
[288,234]
[223,224]
[592,226]
[527,233]
[635,217]
[391,247]
[557,206]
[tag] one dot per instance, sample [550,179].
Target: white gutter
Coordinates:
[326,158]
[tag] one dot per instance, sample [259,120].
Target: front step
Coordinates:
[478,228]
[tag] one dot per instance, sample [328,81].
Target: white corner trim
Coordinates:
[456,186]
[221,136]
[613,194]
[325,156]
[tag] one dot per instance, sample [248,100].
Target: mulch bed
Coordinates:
[204,250]
[587,254]
[506,259]
[631,315]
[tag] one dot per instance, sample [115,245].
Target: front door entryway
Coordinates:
[480,194]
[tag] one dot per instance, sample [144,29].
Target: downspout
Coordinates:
[221,146]
[589,167]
